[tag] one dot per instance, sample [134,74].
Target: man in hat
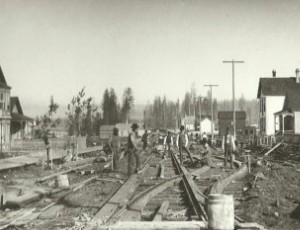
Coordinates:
[132,150]
[182,144]
[168,143]
[228,145]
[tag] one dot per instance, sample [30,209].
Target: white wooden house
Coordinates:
[279,104]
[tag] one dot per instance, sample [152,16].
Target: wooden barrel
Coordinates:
[62,181]
[220,212]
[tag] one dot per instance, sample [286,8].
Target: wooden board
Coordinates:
[162,211]
[153,225]
[52,212]
[119,199]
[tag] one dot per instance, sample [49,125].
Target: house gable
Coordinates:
[3,83]
[15,105]
[276,86]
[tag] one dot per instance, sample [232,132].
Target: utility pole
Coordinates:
[233,94]
[200,114]
[212,110]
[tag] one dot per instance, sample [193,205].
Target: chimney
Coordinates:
[273,73]
[297,75]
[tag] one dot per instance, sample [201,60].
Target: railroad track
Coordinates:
[162,191]
[168,190]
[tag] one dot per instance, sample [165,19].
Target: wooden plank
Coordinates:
[59,173]
[84,161]
[162,211]
[162,171]
[21,201]
[219,186]
[139,201]
[153,225]
[52,212]
[272,149]
[200,171]
[119,199]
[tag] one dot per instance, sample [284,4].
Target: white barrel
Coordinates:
[220,212]
[62,181]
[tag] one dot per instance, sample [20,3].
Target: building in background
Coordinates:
[206,125]
[5,116]
[13,123]
[279,104]
[188,122]
[225,119]
[21,125]
[106,131]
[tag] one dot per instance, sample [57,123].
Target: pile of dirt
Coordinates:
[274,197]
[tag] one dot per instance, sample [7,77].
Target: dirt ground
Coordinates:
[78,207]
[273,199]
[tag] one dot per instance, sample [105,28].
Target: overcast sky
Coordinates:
[55,47]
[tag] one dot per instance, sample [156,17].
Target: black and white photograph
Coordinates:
[149,114]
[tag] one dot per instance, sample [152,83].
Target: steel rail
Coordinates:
[197,207]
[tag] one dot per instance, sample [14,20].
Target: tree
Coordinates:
[110,107]
[46,121]
[105,107]
[128,103]
[113,107]
[77,111]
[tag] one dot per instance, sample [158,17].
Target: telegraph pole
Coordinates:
[200,114]
[212,110]
[233,94]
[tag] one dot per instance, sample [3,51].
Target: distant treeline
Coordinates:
[164,113]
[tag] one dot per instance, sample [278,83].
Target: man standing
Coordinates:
[228,146]
[145,140]
[182,144]
[132,150]
[115,144]
[168,143]
[204,138]
[49,156]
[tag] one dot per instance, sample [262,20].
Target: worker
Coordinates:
[115,145]
[145,140]
[49,156]
[228,147]
[168,143]
[133,150]
[204,138]
[207,156]
[182,144]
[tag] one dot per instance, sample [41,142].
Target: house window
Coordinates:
[1,96]
[263,105]
[1,105]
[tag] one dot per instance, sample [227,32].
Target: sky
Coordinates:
[56,47]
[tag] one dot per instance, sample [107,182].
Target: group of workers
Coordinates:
[182,142]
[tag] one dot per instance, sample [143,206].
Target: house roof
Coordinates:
[229,115]
[14,101]
[277,86]
[3,83]
[20,117]
[292,102]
